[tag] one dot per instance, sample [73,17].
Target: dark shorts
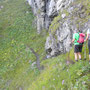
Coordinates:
[89,46]
[78,48]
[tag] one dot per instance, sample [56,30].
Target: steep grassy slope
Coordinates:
[17,71]
[17,36]
[59,76]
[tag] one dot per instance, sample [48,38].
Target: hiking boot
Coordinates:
[76,60]
[80,59]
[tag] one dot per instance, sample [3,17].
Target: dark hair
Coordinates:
[80,31]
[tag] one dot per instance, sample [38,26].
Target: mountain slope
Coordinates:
[18,69]
[60,76]
[17,36]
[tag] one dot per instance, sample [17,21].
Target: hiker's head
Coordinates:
[80,31]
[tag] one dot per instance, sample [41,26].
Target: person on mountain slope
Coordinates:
[77,46]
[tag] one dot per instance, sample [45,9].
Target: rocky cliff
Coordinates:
[60,18]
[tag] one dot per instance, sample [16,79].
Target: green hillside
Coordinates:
[17,72]
[17,36]
[59,76]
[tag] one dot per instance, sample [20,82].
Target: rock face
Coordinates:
[46,10]
[60,18]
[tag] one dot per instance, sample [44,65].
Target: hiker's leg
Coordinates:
[79,55]
[76,52]
[80,50]
[76,56]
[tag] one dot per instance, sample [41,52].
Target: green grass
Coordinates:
[74,77]
[17,36]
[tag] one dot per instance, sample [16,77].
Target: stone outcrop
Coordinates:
[46,10]
[60,18]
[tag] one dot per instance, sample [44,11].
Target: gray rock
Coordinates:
[51,9]
[46,10]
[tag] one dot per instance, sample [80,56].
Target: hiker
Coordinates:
[77,45]
[88,38]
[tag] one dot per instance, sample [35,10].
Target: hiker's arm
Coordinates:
[73,40]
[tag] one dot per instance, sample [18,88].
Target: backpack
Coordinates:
[81,38]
